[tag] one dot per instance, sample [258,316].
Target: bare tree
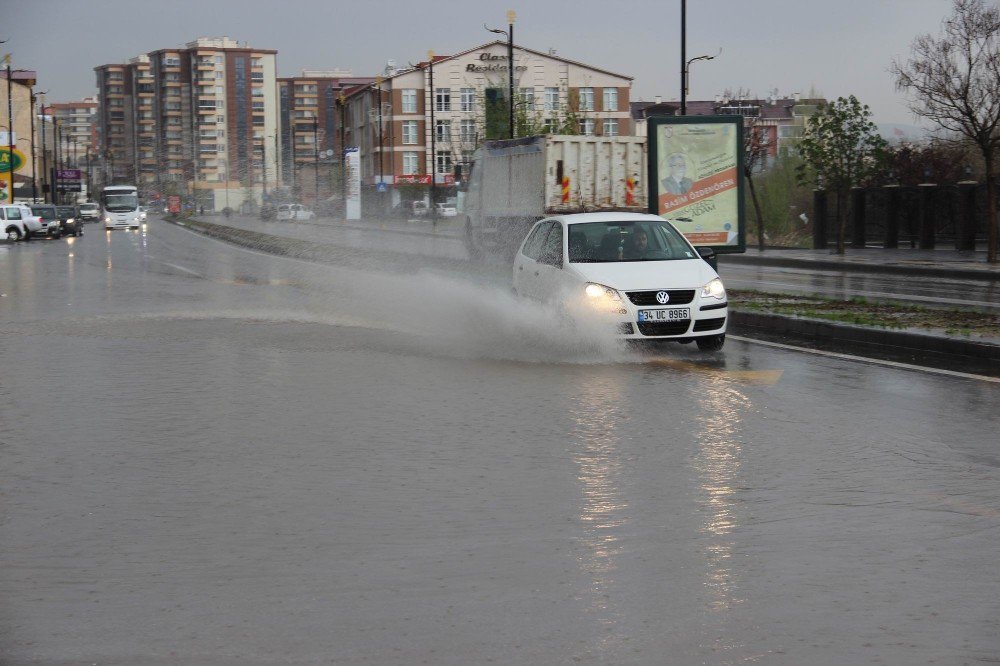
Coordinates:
[954,80]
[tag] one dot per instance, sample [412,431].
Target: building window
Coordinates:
[527,98]
[409,100]
[610,127]
[220,119]
[411,161]
[444,161]
[443,132]
[551,99]
[468,99]
[256,62]
[220,90]
[307,101]
[586,96]
[409,132]
[442,99]
[587,127]
[467,131]
[611,99]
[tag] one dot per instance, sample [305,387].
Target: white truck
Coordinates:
[516,182]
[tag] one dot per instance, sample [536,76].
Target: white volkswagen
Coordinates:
[635,270]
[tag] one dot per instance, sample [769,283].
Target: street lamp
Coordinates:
[378,85]
[430,73]
[685,63]
[509,33]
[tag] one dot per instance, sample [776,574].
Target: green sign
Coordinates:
[5,159]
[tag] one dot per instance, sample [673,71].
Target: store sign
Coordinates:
[6,161]
[491,62]
[69,186]
[69,174]
[415,179]
[352,162]
[696,177]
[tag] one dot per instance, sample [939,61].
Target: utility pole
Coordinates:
[510,67]
[10,128]
[430,71]
[343,143]
[378,83]
[316,160]
[263,168]
[683,57]
[34,158]
[56,139]
[47,185]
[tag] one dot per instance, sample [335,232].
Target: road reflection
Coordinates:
[718,462]
[598,415]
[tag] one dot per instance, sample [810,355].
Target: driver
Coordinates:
[640,245]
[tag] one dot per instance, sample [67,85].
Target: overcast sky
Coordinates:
[837,47]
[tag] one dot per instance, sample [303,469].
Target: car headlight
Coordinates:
[71,220]
[107,219]
[595,290]
[714,289]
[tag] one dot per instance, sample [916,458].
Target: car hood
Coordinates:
[641,275]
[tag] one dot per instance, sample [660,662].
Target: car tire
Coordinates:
[13,234]
[711,343]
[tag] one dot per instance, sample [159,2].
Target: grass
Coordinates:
[875,314]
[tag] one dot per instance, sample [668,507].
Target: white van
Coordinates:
[13,224]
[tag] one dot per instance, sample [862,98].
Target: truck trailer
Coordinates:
[516,182]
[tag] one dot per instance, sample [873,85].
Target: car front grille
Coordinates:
[677,297]
[664,327]
[709,324]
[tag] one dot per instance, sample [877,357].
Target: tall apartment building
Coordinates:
[425,119]
[309,109]
[78,129]
[199,121]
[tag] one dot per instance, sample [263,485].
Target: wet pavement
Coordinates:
[210,455]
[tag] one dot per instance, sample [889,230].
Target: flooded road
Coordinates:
[213,456]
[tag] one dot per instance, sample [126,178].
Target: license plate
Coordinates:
[673,314]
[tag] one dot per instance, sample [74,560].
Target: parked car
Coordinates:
[420,208]
[48,221]
[70,221]
[446,210]
[13,224]
[295,212]
[633,270]
[90,212]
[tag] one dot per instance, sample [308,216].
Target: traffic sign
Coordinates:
[380,187]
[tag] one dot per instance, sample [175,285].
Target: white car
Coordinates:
[13,224]
[34,224]
[294,212]
[446,210]
[634,270]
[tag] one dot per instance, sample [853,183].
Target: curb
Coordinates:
[987,275]
[872,339]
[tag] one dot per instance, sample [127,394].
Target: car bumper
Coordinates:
[701,322]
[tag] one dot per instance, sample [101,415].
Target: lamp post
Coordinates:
[378,84]
[509,34]
[45,162]
[342,99]
[316,160]
[430,73]
[684,57]
[10,127]
[34,159]
[56,139]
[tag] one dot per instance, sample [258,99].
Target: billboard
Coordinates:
[353,203]
[696,178]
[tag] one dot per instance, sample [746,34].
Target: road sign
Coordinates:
[70,186]
[381,187]
[69,174]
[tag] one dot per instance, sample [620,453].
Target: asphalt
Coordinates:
[936,348]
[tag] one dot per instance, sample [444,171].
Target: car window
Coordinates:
[48,212]
[603,242]
[13,213]
[552,251]
[533,246]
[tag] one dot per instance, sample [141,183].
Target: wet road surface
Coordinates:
[213,456]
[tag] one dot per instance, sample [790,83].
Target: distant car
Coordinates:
[90,212]
[70,221]
[420,208]
[13,224]
[295,212]
[446,210]
[635,271]
[48,219]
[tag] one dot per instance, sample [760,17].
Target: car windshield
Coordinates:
[88,206]
[66,211]
[44,212]
[641,240]
[121,202]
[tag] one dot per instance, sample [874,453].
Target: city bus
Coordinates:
[120,207]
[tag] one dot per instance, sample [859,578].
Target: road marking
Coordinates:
[181,268]
[865,359]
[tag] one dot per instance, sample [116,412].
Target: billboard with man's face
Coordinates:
[696,177]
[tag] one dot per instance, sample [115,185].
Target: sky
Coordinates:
[835,48]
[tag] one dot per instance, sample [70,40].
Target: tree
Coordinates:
[841,148]
[954,81]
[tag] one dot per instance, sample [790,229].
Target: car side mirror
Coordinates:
[708,254]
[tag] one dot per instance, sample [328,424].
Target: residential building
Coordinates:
[778,122]
[309,109]
[77,129]
[435,114]
[199,121]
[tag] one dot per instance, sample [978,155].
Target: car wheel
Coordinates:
[13,234]
[711,342]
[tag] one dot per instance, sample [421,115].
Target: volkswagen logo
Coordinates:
[662,297]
